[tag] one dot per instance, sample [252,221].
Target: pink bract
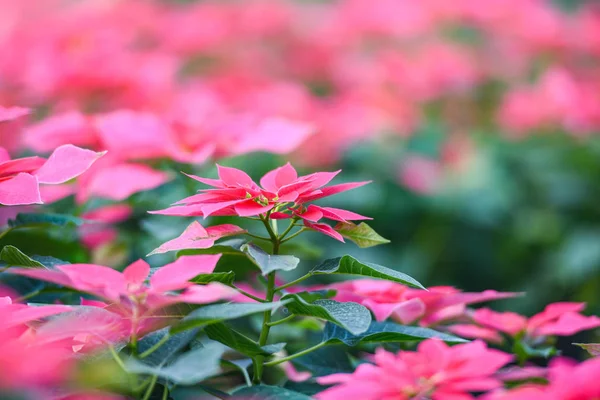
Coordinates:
[20,179]
[434,371]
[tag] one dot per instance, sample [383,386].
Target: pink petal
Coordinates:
[294,375]
[4,155]
[279,215]
[130,134]
[118,182]
[56,277]
[203,294]
[11,113]
[194,237]
[234,177]
[109,214]
[211,208]
[177,274]
[22,189]
[331,190]
[251,208]
[27,164]
[210,182]
[96,279]
[553,311]
[137,272]
[279,177]
[476,332]
[70,127]
[65,163]
[219,231]
[311,214]
[508,322]
[568,324]
[338,214]
[28,314]
[325,229]
[53,193]
[406,311]
[274,135]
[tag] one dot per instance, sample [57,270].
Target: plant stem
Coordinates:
[117,358]
[150,388]
[152,349]
[264,333]
[294,235]
[165,395]
[281,321]
[289,228]
[294,282]
[250,296]
[258,237]
[299,354]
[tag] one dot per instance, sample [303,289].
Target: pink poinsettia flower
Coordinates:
[566,381]
[557,319]
[235,193]
[20,178]
[389,299]
[196,236]
[129,291]
[20,348]
[12,113]
[434,371]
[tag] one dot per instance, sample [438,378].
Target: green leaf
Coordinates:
[230,247]
[220,312]
[188,369]
[325,361]
[264,392]
[354,317]
[161,355]
[385,332]
[231,338]
[15,257]
[349,265]
[592,348]
[362,234]
[268,262]
[26,220]
[524,351]
[226,278]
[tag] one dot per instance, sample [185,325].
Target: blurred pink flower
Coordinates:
[389,299]
[434,371]
[557,319]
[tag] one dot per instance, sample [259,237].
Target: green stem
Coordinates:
[152,349]
[299,354]
[165,395]
[250,296]
[294,235]
[150,388]
[294,282]
[289,228]
[281,321]
[258,237]
[117,358]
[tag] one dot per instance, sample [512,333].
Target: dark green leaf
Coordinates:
[268,262]
[188,369]
[168,349]
[264,392]
[226,278]
[362,234]
[354,317]
[524,351]
[15,257]
[325,361]
[349,265]
[26,220]
[308,388]
[385,332]
[231,338]
[220,312]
